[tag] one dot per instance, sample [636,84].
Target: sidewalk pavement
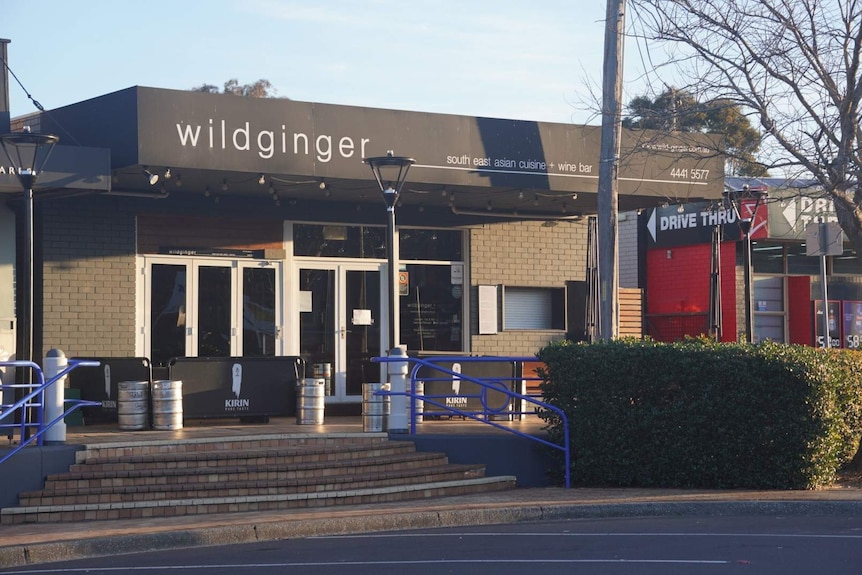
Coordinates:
[31,544]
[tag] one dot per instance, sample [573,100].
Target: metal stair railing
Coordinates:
[31,407]
[493,384]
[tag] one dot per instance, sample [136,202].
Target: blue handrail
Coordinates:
[35,400]
[494,384]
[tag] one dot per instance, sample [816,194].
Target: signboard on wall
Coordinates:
[793,211]
[834,318]
[693,223]
[187,129]
[852,317]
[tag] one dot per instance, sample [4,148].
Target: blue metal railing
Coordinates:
[493,385]
[31,407]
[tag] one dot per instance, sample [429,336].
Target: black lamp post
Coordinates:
[390,171]
[745,203]
[27,154]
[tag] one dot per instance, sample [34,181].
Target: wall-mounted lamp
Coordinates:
[322,185]
[261,180]
[152,178]
[167,173]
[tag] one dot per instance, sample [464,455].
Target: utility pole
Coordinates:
[608,170]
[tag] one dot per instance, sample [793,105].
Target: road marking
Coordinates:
[597,534]
[376,563]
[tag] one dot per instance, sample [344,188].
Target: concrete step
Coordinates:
[156,478]
[253,488]
[106,481]
[177,507]
[117,450]
[230,457]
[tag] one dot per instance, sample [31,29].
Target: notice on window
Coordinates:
[488,310]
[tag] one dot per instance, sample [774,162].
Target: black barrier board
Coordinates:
[464,395]
[244,387]
[100,383]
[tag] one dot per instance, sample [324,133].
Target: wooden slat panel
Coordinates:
[631,312]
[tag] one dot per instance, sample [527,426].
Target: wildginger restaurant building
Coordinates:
[264,233]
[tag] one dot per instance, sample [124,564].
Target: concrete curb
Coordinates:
[389,520]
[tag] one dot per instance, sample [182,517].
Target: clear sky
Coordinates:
[520,59]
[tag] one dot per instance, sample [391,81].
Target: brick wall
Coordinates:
[523,254]
[88,279]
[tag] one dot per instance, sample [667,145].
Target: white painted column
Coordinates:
[55,362]
[398,404]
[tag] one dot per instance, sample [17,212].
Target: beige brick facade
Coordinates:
[88,279]
[523,254]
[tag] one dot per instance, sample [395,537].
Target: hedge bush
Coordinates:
[703,414]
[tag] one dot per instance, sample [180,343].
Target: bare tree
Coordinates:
[793,65]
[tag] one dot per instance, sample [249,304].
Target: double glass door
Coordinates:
[341,322]
[211,308]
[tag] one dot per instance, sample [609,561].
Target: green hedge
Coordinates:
[701,414]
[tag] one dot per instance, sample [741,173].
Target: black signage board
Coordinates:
[100,383]
[244,387]
[72,167]
[693,223]
[193,130]
[464,395]
[211,252]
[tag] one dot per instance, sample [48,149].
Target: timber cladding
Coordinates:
[157,231]
[631,312]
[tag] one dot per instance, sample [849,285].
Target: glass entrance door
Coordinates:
[340,324]
[211,308]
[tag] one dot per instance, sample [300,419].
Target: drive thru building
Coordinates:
[239,227]
[787,285]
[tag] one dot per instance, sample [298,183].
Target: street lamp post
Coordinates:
[27,153]
[390,171]
[745,203]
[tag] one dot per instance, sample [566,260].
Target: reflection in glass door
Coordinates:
[340,324]
[213,311]
[167,312]
[209,308]
[259,331]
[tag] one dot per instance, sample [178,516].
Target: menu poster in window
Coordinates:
[852,324]
[833,317]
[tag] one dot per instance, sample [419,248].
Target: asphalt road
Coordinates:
[759,544]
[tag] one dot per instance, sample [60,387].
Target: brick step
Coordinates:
[118,450]
[376,478]
[281,455]
[178,507]
[223,475]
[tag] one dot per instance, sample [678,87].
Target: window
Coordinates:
[534,308]
[769,317]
